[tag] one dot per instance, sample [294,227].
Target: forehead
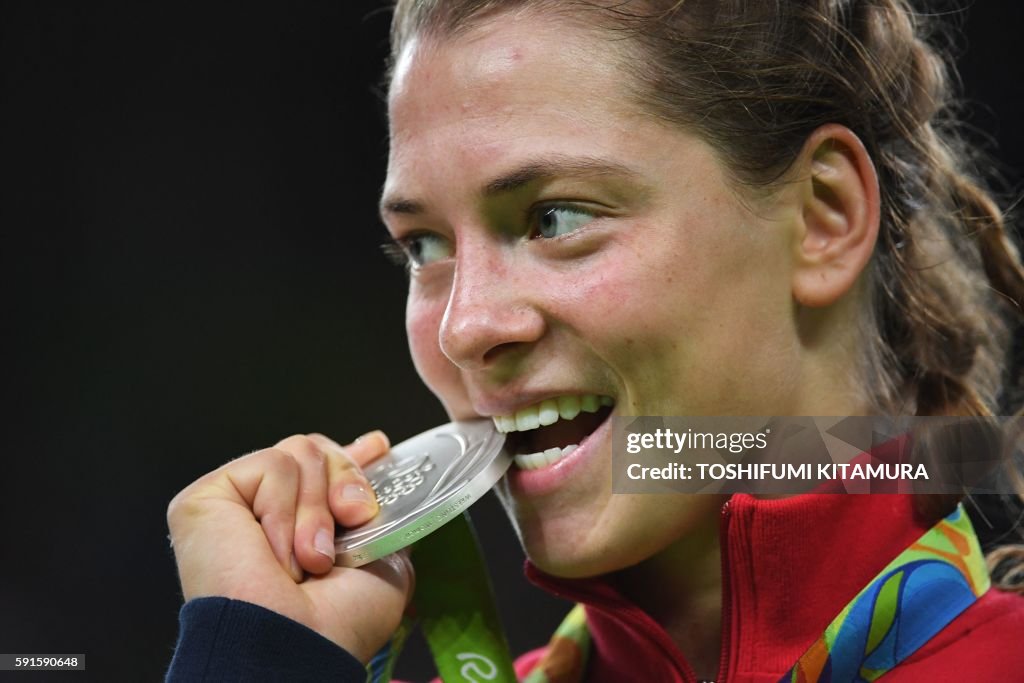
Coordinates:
[513,81]
[503,51]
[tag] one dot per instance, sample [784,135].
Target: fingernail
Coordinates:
[323,543]
[375,434]
[356,493]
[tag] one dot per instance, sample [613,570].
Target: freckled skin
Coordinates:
[680,304]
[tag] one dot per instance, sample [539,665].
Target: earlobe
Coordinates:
[839,217]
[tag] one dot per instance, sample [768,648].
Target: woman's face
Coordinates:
[567,245]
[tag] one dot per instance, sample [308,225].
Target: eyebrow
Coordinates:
[555,166]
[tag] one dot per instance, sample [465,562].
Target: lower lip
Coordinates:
[550,478]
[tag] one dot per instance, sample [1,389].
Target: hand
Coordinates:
[261,529]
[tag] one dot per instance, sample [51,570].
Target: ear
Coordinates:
[839,217]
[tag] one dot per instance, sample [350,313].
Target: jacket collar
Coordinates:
[789,566]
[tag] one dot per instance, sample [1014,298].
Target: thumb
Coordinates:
[360,609]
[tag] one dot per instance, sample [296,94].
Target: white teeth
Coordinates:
[529,462]
[550,411]
[534,461]
[527,419]
[568,407]
[505,423]
[547,412]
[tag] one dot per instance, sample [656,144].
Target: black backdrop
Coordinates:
[190,272]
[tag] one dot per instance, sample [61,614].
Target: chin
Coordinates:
[576,542]
[572,565]
[570,548]
[580,561]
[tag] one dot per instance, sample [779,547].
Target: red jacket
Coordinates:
[789,567]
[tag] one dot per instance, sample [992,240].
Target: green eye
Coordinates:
[561,220]
[419,249]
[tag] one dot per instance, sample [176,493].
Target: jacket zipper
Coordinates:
[723,535]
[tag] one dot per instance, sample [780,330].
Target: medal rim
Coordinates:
[459,494]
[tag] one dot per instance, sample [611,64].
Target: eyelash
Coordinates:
[537,213]
[395,252]
[397,249]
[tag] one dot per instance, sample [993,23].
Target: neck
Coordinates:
[681,589]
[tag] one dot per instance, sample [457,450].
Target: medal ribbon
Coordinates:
[454,604]
[917,594]
[927,586]
[914,597]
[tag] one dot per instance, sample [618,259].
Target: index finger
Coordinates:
[362,451]
[349,494]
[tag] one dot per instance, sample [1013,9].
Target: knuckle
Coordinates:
[182,507]
[278,516]
[279,460]
[302,446]
[174,509]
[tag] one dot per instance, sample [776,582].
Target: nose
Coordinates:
[491,310]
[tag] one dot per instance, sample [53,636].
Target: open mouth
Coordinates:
[544,433]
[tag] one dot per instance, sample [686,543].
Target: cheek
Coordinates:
[628,303]
[669,306]
[422,323]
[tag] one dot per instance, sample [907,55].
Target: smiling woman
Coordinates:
[663,208]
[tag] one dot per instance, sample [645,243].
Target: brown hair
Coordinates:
[754,78]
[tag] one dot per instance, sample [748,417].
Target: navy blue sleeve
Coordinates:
[230,640]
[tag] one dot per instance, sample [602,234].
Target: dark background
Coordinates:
[191,272]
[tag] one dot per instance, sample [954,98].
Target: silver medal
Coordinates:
[422,483]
